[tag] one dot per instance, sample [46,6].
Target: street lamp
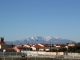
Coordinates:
[57,52]
[50,46]
[67,50]
[37,47]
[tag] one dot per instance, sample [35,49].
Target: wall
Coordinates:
[3,46]
[43,53]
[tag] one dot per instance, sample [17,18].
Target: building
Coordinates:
[2,40]
[4,46]
[71,44]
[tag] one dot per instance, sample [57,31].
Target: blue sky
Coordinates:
[20,19]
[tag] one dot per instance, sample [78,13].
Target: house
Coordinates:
[60,45]
[5,47]
[28,45]
[36,47]
[71,44]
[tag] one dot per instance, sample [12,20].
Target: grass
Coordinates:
[32,58]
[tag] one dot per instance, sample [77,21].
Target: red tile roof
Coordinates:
[37,46]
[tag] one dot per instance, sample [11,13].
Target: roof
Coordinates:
[37,46]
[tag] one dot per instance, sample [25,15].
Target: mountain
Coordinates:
[39,39]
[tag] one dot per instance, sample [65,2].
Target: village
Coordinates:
[40,50]
[68,47]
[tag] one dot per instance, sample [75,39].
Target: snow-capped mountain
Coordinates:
[39,39]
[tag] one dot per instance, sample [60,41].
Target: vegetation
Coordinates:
[75,48]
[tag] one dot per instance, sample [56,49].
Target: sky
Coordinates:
[20,19]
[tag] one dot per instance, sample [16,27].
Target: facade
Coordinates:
[72,44]
[5,47]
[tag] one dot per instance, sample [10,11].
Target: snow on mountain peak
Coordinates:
[55,37]
[34,38]
[50,38]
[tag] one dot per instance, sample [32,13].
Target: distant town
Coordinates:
[68,47]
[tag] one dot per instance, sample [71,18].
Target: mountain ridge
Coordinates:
[40,39]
